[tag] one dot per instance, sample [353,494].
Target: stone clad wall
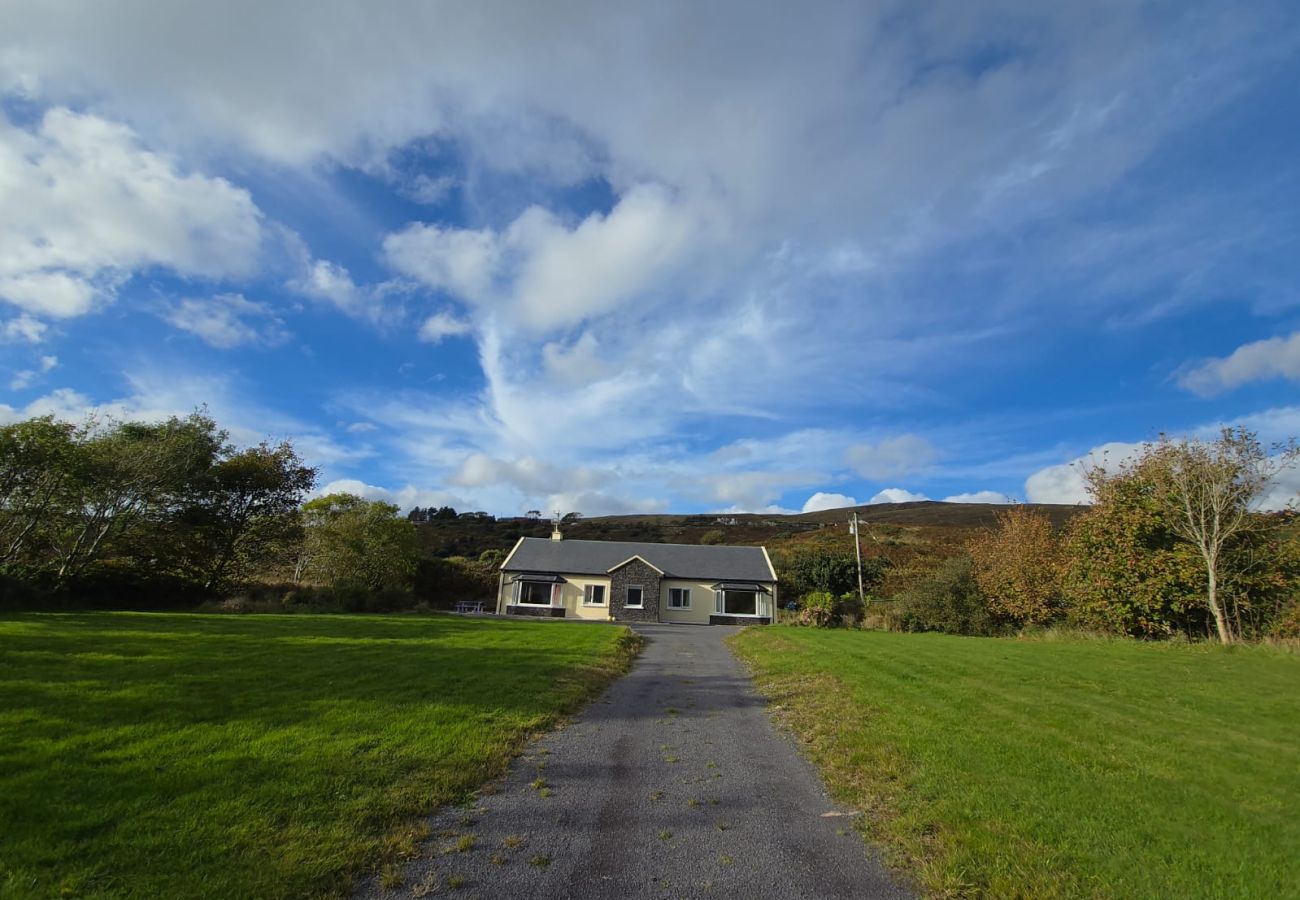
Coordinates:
[634,572]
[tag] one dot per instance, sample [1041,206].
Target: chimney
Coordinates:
[555,528]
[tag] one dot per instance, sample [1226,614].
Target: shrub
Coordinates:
[713,536]
[1287,625]
[1019,567]
[818,610]
[948,600]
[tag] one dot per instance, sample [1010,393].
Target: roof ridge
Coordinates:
[647,543]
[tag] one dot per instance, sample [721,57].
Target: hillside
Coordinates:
[912,537]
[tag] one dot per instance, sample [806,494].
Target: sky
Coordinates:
[675,257]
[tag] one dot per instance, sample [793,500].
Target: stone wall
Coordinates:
[634,572]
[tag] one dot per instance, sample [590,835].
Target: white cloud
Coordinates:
[891,458]
[405,498]
[462,262]
[362,427]
[546,273]
[23,328]
[86,204]
[63,403]
[822,501]
[897,495]
[1277,357]
[25,378]
[1065,483]
[979,497]
[157,393]
[324,280]
[579,363]
[429,190]
[528,474]
[442,325]
[228,320]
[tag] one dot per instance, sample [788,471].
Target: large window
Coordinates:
[634,596]
[534,593]
[679,598]
[593,595]
[740,603]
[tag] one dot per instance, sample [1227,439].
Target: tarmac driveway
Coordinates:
[673,784]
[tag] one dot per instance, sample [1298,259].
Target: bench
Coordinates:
[469,606]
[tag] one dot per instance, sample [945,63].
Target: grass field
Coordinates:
[182,755]
[1054,768]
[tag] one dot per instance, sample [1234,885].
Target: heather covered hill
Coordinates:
[910,536]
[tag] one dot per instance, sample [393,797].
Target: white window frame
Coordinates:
[519,600]
[760,606]
[639,588]
[589,589]
[684,594]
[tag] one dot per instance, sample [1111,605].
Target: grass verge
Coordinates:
[1067,768]
[179,755]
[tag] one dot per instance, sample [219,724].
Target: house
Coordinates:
[638,582]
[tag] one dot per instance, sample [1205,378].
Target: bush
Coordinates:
[1019,566]
[818,610]
[713,536]
[1287,625]
[948,600]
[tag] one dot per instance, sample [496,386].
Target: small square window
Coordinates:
[679,598]
[634,596]
[593,595]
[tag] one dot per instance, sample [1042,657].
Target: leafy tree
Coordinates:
[1019,566]
[444,513]
[1171,543]
[1207,491]
[243,509]
[35,462]
[1126,570]
[123,483]
[819,569]
[360,544]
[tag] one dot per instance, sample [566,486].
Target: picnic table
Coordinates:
[469,606]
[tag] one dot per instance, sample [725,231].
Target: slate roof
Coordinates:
[693,561]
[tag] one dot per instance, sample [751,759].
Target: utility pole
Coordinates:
[857,547]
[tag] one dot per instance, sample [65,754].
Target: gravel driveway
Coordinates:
[673,784]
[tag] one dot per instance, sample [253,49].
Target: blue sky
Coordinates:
[612,258]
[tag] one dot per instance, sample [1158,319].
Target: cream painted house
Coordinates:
[638,582]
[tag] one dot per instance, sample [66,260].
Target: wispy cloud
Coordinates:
[1277,357]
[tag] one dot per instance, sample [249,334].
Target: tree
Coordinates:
[126,480]
[533,514]
[244,508]
[811,569]
[1126,571]
[1208,491]
[1019,566]
[35,463]
[358,544]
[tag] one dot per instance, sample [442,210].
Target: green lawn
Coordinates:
[1056,768]
[185,755]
